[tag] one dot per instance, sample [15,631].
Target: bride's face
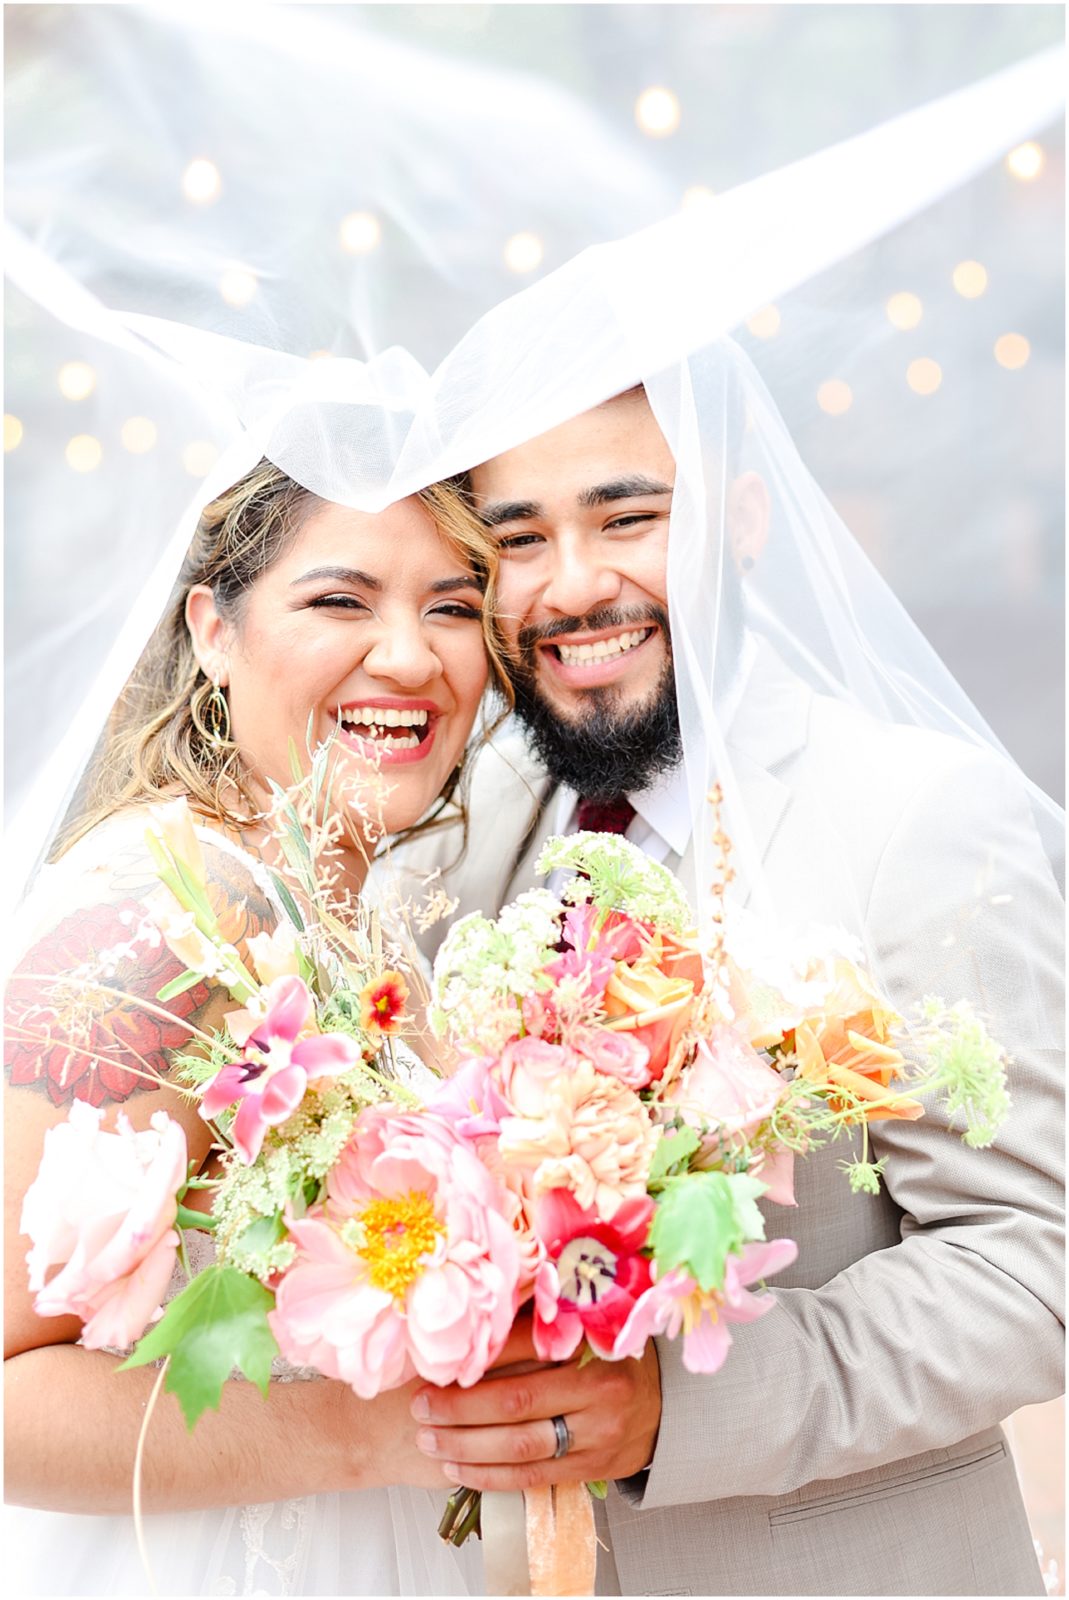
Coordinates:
[373,622]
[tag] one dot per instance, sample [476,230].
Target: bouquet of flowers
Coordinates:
[622,1100]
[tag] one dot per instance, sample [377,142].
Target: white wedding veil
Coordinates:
[147,289]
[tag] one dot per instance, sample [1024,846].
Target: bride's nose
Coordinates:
[402,654]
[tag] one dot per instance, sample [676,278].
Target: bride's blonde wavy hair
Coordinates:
[156,743]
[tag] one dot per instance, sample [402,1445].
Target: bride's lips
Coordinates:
[606,669]
[376,748]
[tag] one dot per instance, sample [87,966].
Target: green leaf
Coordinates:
[263,1233]
[288,902]
[179,985]
[295,762]
[674,1149]
[598,1487]
[703,1217]
[187,1218]
[217,1323]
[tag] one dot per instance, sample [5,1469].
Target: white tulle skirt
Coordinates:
[376,1541]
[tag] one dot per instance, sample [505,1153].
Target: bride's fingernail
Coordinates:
[427,1441]
[452,1471]
[421,1408]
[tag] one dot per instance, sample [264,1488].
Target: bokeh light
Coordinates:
[764,324]
[12,432]
[970,279]
[199,457]
[360,233]
[904,310]
[1012,351]
[237,285]
[924,375]
[834,396]
[201,183]
[657,112]
[1026,161]
[138,435]
[697,195]
[76,380]
[523,252]
[84,453]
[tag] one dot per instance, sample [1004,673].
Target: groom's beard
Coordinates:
[608,748]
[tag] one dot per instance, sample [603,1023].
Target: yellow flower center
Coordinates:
[397,1234]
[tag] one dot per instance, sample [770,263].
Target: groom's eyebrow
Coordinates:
[631,487]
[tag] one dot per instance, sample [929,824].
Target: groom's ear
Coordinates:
[209,633]
[748,511]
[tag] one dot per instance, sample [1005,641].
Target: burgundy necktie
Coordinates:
[605,816]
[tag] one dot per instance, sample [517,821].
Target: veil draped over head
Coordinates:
[369,372]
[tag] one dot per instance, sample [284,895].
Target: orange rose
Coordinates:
[678,958]
[847,1044]
[653,1008]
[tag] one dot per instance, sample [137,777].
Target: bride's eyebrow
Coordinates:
[339,575]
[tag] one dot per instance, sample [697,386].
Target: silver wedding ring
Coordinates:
[563,1436]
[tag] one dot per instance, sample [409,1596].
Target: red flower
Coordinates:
[594,1274]
[66,1028]
[382,1003]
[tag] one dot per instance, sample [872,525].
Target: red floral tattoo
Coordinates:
[69,1032]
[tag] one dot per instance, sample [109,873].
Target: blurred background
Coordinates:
[339,178]
[330,180]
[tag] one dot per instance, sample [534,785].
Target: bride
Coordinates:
[293,619]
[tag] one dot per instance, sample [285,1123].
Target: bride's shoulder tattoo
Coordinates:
[81,1016]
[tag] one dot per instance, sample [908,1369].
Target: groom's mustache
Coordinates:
[528,639]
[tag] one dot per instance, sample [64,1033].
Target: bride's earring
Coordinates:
[210,713]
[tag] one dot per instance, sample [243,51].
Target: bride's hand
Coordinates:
[499,1434]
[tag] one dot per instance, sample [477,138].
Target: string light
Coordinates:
[12,432]
[237,285]
[924,375]
[1012,351]
[523,252]
[657,112]
[199,457]
[360,233]
[76,380]
[970,279]
[904,310]
[834,396]
[201,183]
[764,324]
[84,453]
[697,195]
[1026,161]
[138,435]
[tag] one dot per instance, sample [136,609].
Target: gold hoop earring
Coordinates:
[210,713]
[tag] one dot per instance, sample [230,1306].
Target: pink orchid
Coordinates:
[410,1266]
[619,938]
[279,1064]
[593,1276]
[675,1303]
[103,1207]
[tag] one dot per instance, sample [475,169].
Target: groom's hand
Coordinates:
[499,1433]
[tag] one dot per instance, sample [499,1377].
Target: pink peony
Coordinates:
[269,1084]
[409,1266]
[102,1208]
[675,1303]
[593,1276]
[579,1129]
[469,1100]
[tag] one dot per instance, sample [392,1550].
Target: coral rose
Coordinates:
[727,1088]
[409,1266]
[102,1208]
[653,1009]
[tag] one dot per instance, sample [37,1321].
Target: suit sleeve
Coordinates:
[947,1332]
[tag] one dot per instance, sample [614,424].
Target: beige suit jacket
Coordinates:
[850,1444]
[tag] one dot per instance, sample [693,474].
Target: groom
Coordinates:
[850,1443]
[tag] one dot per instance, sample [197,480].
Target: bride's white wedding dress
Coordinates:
[370,1541]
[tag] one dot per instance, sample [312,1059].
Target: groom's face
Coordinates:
[581,519]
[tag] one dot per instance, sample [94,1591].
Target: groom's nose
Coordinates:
[579,580]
